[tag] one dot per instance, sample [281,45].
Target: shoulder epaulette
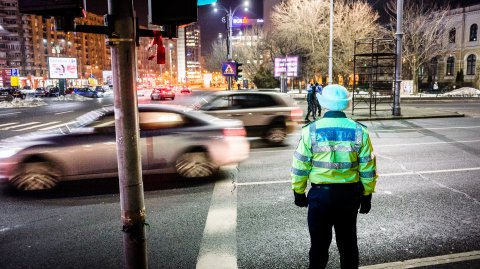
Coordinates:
[361,124]
[307,124]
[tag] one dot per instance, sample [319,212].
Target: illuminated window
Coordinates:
[473,32]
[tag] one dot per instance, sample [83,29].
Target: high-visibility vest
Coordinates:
[334,150]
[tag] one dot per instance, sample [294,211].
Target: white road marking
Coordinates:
[422,262]
[64,112]
[55,126]
[219,243]
[37,126]
[380,175]
[4,114]
[420,129]
[7,124]
[21,125]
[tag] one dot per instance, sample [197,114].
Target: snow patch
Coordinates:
[17,102]
[464,91]
[71,97]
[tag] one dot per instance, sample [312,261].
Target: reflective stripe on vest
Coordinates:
[331,165]
[301,157]
[299,172]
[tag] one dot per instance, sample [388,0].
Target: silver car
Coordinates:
[172,139]
[269,115]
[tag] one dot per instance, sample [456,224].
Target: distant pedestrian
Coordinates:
[335,154]
[318,89]
[311,106]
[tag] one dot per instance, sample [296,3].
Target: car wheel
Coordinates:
[276,134]
[151,97]
[94,96]
[195,164]
[173,98]
[9,98]
[37,175]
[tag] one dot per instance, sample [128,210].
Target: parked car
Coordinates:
[8,94]
[40,92]
[269,115]
[185,89]
[70,90]
[173,139]
[53,91]
[162,93]
[88,92]
[99,89]
[27,91]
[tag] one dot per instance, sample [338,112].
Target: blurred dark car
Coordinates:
[53,92]
[173,139]
[100,89]
[162,94]
[8,94]
[185,89]
[70,90]
[269,115]
[40,92]
[88,92]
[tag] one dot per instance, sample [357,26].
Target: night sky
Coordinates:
[210,22]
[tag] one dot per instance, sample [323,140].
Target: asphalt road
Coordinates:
[427,204]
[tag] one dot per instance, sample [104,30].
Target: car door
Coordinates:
[165,137]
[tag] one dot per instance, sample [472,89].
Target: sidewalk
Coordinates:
[407,112]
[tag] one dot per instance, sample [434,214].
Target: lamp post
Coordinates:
[229,23]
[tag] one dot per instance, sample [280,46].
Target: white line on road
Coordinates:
[55,126]
[420,129]
[218,249]
[380,175]
[64,112]
[422,262]
[4,114]
[21,125]
[37,126]
[7,124]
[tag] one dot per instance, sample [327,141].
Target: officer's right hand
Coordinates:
[300,199]
[365,204]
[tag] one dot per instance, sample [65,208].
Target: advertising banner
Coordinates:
[108,77]
[287,66]
[62,67]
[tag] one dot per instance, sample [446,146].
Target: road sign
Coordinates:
[14,72]
[14,81]
[229,69]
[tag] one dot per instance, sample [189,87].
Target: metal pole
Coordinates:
[398,70]
[127,134]
[229,43]
[170,46]
[330,50]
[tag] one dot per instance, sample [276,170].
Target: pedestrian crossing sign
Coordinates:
[229,69]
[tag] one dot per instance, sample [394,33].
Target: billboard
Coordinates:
[108,77]
[287,66]
[62,67]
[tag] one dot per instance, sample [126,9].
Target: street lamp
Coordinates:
[170,46]
[229,22]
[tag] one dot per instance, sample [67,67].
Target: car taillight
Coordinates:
[296,113]
[234,132]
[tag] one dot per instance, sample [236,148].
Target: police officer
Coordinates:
[335,154]
[311,107]
[318,107]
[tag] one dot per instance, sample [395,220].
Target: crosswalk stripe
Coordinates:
[55,126]
[37,126]
[7,124]
[21,125]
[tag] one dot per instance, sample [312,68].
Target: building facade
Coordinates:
[463,49]
[188,53]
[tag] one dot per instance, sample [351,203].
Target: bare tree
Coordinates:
[424,33]
[217,55]
[306,22]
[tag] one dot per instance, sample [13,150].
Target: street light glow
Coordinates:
[215,9]
[246,3]
[245,9]
[214,4]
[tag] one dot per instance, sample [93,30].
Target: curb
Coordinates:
[366,118]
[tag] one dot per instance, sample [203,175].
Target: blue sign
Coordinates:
[229,69]
[205,2]
[14,72]
[91,76]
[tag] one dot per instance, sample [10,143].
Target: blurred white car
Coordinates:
[172,139]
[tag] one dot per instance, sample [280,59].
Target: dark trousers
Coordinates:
[334,205]
[311,108]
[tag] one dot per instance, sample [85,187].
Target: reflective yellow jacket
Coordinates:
[334,150]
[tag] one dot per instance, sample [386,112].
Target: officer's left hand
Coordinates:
[300,199]
[365,204]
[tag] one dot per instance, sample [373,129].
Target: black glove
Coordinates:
[300,199]
[365,203]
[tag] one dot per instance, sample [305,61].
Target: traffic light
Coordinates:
[239,70]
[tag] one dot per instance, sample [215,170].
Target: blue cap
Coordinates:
[334,97]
